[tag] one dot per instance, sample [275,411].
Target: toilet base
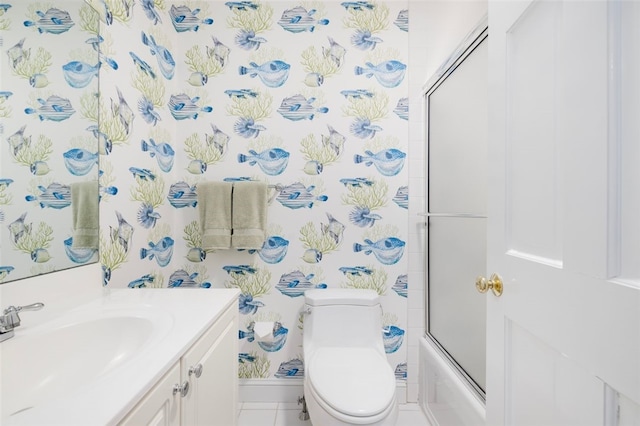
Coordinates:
[320,417]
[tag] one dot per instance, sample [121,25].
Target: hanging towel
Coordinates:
[84,214]
[214,208]
[249,215]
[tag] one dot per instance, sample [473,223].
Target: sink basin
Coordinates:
[73,352]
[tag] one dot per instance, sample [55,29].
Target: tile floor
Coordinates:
[286,414]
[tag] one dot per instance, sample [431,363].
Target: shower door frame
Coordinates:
[474,38]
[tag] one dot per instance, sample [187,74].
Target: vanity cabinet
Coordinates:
[202,387]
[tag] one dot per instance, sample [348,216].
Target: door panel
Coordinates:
[567,326]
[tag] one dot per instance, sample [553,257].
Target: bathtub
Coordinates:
[446,398]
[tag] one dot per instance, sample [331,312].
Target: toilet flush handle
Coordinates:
[306,310]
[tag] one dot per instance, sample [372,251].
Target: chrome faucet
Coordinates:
[10,319]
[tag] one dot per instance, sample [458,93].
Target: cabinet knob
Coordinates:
[182,388]
[197,370]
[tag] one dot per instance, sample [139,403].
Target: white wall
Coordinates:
[436,28]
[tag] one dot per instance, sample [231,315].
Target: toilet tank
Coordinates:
[342,318]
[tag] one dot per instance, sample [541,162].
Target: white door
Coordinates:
[563,341]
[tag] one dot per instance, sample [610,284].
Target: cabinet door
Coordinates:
[213,398]
[159,407]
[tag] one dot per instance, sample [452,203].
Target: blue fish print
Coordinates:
[272,73]
[298,20]
[402,21]
[40,255]
[105,145]
[392,338]
[219,51]
[182,107]
[388,73]
[333,229]
[273,250]
[53,21]
[241,93]
[356,182]
[402,108]
[356,270]
[18,141]
[142,174]
[162,152]
[146,108]
[247,128]
[401,371]
[4,271]
[142,65]
[389,162]
[218,139]
[123,234]
[149,8]
[297,107]
[196,254]
[4,95]
[362,216]
[247,305]
[79,74]
[165,60]
[147,217]
[357,5]
[240,269]
[181,278]
[357,94]
[142,281]
[56,196]
[108,14]
[363,40]
[237,179]
[4,7]
[290,369]
[241,5]
[18,229]
[5,182]
[245,357]
[271,161]
[55,108]
[402,197]
[185,19]
[363,128]
[78,254]
[161,251]
[388,251]
[79,161]
[39,168]
[107,190]
[279,337]
[182,195]
[401,285]
[248,40]
[297,196]
[295,283]
[334,53]
[122,110]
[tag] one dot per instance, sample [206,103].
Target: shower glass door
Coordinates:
[456,105]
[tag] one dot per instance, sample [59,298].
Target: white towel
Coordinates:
[214,208]
[249,215]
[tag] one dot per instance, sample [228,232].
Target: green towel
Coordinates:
[214,208]
[84,212]
[249,215]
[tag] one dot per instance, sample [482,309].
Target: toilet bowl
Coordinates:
[348,380]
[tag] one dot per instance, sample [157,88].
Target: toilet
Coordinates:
[348,380]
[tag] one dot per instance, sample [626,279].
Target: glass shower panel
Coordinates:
[456,216]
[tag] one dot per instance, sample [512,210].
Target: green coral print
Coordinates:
[253,366]
[151,88]
[148,191]
[255,20]
[34,64]
[317,243]
[256,284]
[377,281]
[258,107]
[197,149]
[90,106]
[373,196]
[374,20]
[112,253]
[89,19]
[32,153]
[5,108]
[373,108]
[204,62]
[34,241]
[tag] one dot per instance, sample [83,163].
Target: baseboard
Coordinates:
[278,390]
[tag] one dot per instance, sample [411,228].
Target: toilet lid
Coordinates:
[355,381]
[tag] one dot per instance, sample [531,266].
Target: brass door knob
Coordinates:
[494,283]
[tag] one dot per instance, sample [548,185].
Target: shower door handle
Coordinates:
[456,215]
[494,283]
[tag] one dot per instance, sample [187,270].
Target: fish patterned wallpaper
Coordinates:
[310,97]
[48,119]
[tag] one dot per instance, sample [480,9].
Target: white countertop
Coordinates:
[180,317]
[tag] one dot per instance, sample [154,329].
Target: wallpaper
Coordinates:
[309,97]
[48,118]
